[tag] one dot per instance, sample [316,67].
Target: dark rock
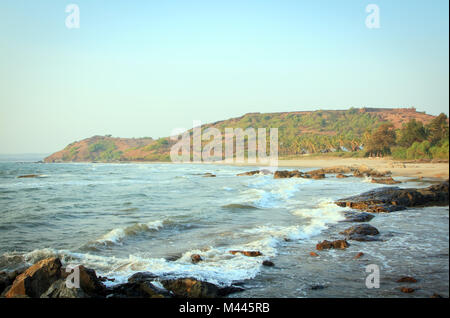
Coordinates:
[59,290]
[193,288]
[436,296]
[351,216]
[362,229]
[142,276]
[137,289]
[251,173]
[36,279]
[209,175]
[268,263]
[390,199]
[338,244]
[407,279]
[317,287]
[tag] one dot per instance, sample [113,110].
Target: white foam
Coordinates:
[116,236]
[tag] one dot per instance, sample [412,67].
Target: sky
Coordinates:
[144,68]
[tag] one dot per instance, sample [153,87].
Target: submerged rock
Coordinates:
[359,255]
[389,199]
[338,244]
[268,263]
[388,180]
[247,253]
[407,279]
[351,216]
[195,258]
[407,290]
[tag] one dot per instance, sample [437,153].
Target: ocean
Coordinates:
[124,218]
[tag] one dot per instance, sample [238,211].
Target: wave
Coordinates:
[116,236]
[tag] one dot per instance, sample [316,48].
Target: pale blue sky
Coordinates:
[142,68]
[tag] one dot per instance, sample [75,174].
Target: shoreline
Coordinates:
[409,169]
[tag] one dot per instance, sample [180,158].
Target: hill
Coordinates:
[298,132]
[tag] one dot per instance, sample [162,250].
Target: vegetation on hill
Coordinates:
[402,133]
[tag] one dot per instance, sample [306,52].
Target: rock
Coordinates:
[193,288]
[36,279]
[389,199]
[362,229]
[251,173]
[59,290]
[195,258]
[407,279]
[313,254]
[209,175]
[90,283]
[407,290]
[317,287]
[106,279]
[247,253]
[142,276]
[268,263]
[29,176]
[341,176]
[388,180]
[137,289]
[338,244]
[359,255]
[351,216]
[436,296]
[318,176]
[287,174]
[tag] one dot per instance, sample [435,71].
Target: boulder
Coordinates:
[313,254]
[193,288]
[351,216]
[36,279]
[362,229]
[341,176]
[338,244]
[137,289]
[359,255]
[389,199]
[268,263]
[59,289]
[407,290]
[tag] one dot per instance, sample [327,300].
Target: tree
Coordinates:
[379,143]
[411,132]
[438,129]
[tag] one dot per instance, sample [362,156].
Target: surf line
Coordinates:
[207,309]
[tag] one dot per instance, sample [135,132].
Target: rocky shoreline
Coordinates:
[48,277]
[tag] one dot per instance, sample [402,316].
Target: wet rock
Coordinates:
[193,288]
[268,263]
[288,174]
[247,253]
[36,279]
[142,276]
[317,287]
[407,290]
[341,176]
[195,258]
[209,175]
[389,199]
[388,180]
[313,254]
[29,176]
[407,279]
[436,296]
[252,173]
[359,255]
[106,279]
[362,229]
[59,289]
[137,289]
[351,216]
[338,244]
